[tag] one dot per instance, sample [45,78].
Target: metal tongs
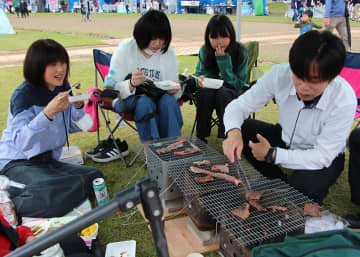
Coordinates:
[243,177]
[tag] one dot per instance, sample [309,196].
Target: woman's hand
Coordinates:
[58,104]
[233,145]
[219,51]
[137,78]
[201,81]
[78,104]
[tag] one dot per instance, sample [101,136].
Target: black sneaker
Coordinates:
[111,153]
[100,147]
[354,221]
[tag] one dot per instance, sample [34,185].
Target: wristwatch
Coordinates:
[270,156]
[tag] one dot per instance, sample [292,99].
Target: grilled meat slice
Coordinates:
[276,208]
[200,163]
[257,205]
[254,195]
[216,175]
[312,210]
[242,212]
[171,147]
[224,168]
[188,150]
[204,179]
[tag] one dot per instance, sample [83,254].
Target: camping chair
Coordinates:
[254,73]
[102,65]
[351,73]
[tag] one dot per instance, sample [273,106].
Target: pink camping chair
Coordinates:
[351,73]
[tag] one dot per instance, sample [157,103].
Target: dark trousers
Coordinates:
[207,101]
[354,165]
[313,183]
[74,246]
[52,189]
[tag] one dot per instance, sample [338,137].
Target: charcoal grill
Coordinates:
[219,198]
[159,165]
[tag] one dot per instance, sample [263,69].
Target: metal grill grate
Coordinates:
[184,178]
[260,226]
[159,165]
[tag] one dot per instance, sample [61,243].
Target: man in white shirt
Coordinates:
[316,108]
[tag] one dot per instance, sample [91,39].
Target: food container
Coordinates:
[53,251]
[213,83]
[123,249]
[90,231]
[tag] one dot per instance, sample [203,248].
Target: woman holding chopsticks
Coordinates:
[39,120]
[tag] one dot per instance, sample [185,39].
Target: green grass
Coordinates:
[23,39]
[131,225]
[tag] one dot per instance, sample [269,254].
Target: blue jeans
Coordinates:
[295,15]
[166,123]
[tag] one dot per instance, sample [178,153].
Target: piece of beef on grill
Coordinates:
[312,210]
[171,147]
[276,208]
[204,179]
[226,177]
[254,195]
[188,150]
[224,168]
[203,162]
[242,212]
[257,205]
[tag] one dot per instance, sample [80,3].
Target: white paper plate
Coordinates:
[167,84]
[38,227]
[77,98]
[213,83]
[124,249]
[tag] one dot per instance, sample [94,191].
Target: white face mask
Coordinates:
[149,52]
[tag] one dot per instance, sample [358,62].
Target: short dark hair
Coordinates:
[320,51]
[153,24]
[309,13]
[221,25]
[40,54]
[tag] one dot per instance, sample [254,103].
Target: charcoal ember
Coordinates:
[257,205]
[254,195]
[204,179]
[224,168]
[242,212]
[312,210]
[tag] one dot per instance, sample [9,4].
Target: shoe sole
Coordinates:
[124,154]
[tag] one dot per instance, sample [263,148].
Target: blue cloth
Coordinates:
[334,8]
[28,131]
[305,29]
[295,16]
[167,122]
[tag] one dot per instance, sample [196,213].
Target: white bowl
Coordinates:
[213,83]
[128,248]
[167,84]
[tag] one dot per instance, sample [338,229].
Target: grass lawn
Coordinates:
[23,39]
[130,225]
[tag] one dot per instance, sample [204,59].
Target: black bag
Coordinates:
[149,89]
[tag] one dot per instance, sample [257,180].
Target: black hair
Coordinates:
[40,54]
[321,52]
[221,25]
[309,13]
[152,25]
